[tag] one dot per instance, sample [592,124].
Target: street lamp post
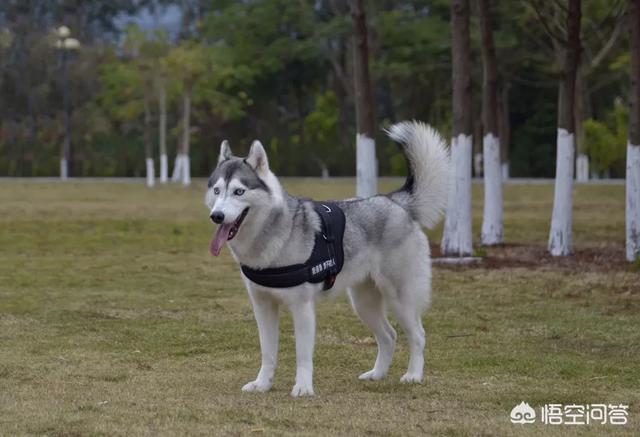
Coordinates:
[66,44]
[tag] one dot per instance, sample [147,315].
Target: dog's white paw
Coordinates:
[372,375]
[302,390]
[256,386]
[411,378]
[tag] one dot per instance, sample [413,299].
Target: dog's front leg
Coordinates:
[304,322]
[265,310]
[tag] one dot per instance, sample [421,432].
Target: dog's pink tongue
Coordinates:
[219,239]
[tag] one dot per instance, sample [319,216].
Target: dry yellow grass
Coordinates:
[115,320]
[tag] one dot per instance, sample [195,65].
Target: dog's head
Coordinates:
[238,189]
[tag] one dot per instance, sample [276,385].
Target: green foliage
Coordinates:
[534,140]
[281,70]
[414,59]
[621,63]
[219,86]
[321,129]
[398,164]
[266,35]
[321,125]
[121,95]
[606,141]
[188,62]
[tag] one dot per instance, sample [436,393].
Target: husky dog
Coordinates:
[386,254]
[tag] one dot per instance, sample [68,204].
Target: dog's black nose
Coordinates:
[217,217]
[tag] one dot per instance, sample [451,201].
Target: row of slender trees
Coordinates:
[457,236]
[283,71]
[457,239]
[151,68]
[292,72]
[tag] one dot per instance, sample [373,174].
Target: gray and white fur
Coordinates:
[386,254]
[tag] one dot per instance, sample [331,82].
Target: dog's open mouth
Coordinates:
[226,232]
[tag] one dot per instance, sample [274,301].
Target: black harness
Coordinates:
[325,262]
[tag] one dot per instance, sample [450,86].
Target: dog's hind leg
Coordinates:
[265,310]
[406,285]
[410,320]
[368,304]
[402,295]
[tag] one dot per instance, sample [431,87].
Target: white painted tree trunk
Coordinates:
[151,173]
[186,137]
[366,166]
[478,165]
[582,168]
[325,172]
[177,169]
[633,202]
[561,236]
[164,169]
[186,170]
[162,133]
[64,169]
[492,226]
[505,171]
[457,237]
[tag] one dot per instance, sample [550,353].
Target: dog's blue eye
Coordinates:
[216,190]
[238,192]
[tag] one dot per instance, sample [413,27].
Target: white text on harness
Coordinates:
[323,266]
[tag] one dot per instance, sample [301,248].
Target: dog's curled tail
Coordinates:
[424,194]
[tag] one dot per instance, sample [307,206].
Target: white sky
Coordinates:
[167,18]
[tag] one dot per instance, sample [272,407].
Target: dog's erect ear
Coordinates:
[225,152]
[257,158]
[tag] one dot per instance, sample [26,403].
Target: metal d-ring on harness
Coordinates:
[325,262]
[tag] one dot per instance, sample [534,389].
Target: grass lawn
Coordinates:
[115,320]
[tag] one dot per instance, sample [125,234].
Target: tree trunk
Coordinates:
[186,136]
[64,167]
[560,235]
[456,239]
[176,176]
[633,145]
[33,128]
[66,146]
[492,226]
[366,164]
[147,142]
[162,134]
[9,128]
[478,165]
[504,127]
[581,113]
[346,110]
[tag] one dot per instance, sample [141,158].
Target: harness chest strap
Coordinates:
[325,262]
